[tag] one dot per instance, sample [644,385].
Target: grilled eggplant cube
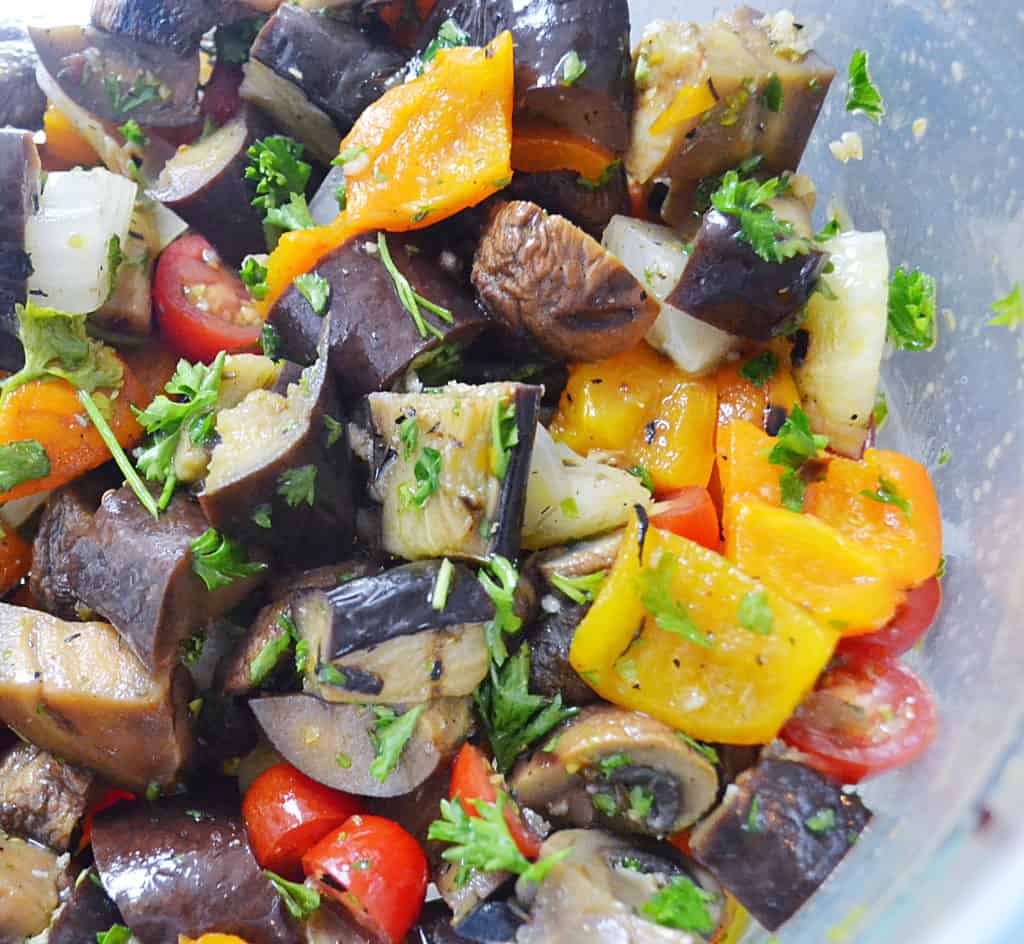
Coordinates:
[777,836]
[279,478]
[19,194]
[137,572]
[380,639]
[373,339]
[177,24]
[453,468]
[204,183]
[316,75]
[75,689]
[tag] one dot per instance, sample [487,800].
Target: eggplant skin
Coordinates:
[185,867]
[19,193]
[728,285]
[176,24]
[88,912]
[373,340]
[302,532]
[204,183]
[598,105]
[773,870]
[137,573]
[549,640]
[107,75]
[560,192]
[340,69]
[22,101]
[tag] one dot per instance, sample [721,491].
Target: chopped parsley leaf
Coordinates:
[887,494]
[408,435]
[427,472]
[300,900]
[880,413]
[270,341]
[704,749]
[276,168]
[500,579]
[862,95]
[298,485]
[753,823]
[22,461]
[219,561]
[390,735]
[601,182]
[774,240]
[912,310]
[315,289]
[504,436]
[760,369]
[655,589]
[132,133]
[573,68]
[822,821]
[641,472]
[578,589]
[1009,310]
[771,96]
[683,905]
[755,614]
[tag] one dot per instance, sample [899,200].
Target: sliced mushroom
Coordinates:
[620,768]
[476,508]
[728,285]
[380,639]
[373,338]
[542,276]
[279,477]
[598,893]
[703,102]
[116,78]
[33,878]
[19,192]
[137,572]
[779,833]
[42,798]
[61,684]
[204,183]
[334,743]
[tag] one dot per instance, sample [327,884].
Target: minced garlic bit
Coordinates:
[849,147]
[785,36]
[919,127]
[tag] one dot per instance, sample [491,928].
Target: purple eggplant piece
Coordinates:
[728,285]
[88,912]
[22,101]
[547,33]
[373,340]
[177,24]
[19,193]
[184,866]
[116,78]
[561,192]
[137,572]
[205,185]
[773,856]
[340,69]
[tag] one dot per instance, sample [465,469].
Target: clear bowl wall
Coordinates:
[944,859]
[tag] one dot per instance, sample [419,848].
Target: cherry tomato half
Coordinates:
[202,307]
[473,778]
[864,716]
[287,813]
[376,870]
[690,513]
[907,626]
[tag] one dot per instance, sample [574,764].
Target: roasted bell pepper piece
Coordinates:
[843,582]
[65,147]
[743,466]
[740,399]
[641,407]
[901,521]
[433,146]
[49,412]
[212,939]
[15,560]
[539,147]
[739,689]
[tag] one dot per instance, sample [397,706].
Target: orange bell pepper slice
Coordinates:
[639,406]
[15,560]
[434,146]
[212,939]
[743,466]
[741,688]
[65,147]
[911,540]
[739,399]
[49,412]
[539,147]
[841,581]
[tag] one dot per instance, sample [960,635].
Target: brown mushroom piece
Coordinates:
[335,745]
[780,831]
[542,276]
[64,685]
[618,768]
[601,892]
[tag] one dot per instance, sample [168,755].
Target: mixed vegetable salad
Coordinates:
[437,462]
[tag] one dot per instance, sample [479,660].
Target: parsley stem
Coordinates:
[410,299]
[120,457]
[168,491]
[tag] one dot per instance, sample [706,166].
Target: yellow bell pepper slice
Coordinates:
[642,408]
[689,102]
[841,581]
[211,939]
[741,688]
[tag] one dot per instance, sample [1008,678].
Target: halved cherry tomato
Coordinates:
[473,778]
[202,307]
[112,797]
[865,716]
[690,513]
[911,622]
[376,870]
[287,813]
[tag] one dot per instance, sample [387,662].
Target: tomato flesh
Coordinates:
[911,621]
[112,797]
[690,513]
[376,870]
[286,813]
[473,778]
[201,306]
[865,716]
